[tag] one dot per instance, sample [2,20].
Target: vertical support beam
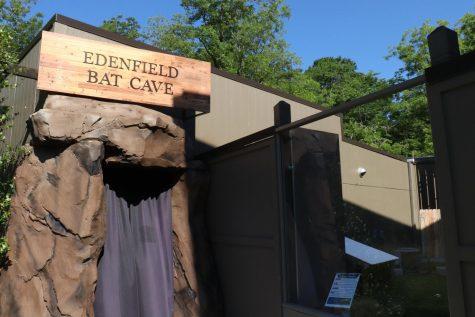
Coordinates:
[282,115]
[451,96]
[414,198]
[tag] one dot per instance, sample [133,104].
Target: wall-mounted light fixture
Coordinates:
[361,171]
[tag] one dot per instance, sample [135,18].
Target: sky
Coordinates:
[363,30]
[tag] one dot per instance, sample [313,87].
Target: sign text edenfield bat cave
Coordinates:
[78,66]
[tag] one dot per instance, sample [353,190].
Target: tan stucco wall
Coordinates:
[238,110]
[384,189]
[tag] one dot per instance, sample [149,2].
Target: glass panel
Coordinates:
[356,217]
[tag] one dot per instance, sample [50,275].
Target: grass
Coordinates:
[410,295]
[424,294]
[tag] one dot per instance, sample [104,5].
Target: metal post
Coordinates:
[282,116]
[346,106]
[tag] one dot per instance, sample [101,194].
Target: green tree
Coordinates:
[399,125]
[466,31]
[339,80]
[301,84]
[241,36]
[15,17]
[7,57]
[127,26]
[17,28]
[7,54]
[410,128]
[413,50]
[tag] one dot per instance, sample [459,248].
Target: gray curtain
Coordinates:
[135,270]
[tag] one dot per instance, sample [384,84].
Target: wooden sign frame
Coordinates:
[84,67]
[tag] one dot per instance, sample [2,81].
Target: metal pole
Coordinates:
[386,92]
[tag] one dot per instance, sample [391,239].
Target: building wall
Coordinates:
[384,189]
[239,109]
[22,97]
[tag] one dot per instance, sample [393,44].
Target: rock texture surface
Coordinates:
[57,228]
[56,233]
[133,134]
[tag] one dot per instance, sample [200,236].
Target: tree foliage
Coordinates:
[241,36]
[16,19]
[17,29]
[126,26]
[410,124]
[399,125]
[339,81]
[466,30]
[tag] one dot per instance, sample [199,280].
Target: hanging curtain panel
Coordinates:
[135,271]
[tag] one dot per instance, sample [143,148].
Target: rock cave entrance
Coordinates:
[136,266]
[85,156]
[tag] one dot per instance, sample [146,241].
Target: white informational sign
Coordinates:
[366,253]
[343,290]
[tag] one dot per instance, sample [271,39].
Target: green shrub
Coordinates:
[9,158]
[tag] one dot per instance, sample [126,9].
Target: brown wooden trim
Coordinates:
[373,149]
[133,43]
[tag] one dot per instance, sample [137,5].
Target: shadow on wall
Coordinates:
[196,182]
[370,227]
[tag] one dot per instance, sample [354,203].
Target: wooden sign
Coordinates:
[78,66]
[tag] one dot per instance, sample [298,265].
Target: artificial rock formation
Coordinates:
[133,134]
[195,280]
[56,232]
[57,227]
